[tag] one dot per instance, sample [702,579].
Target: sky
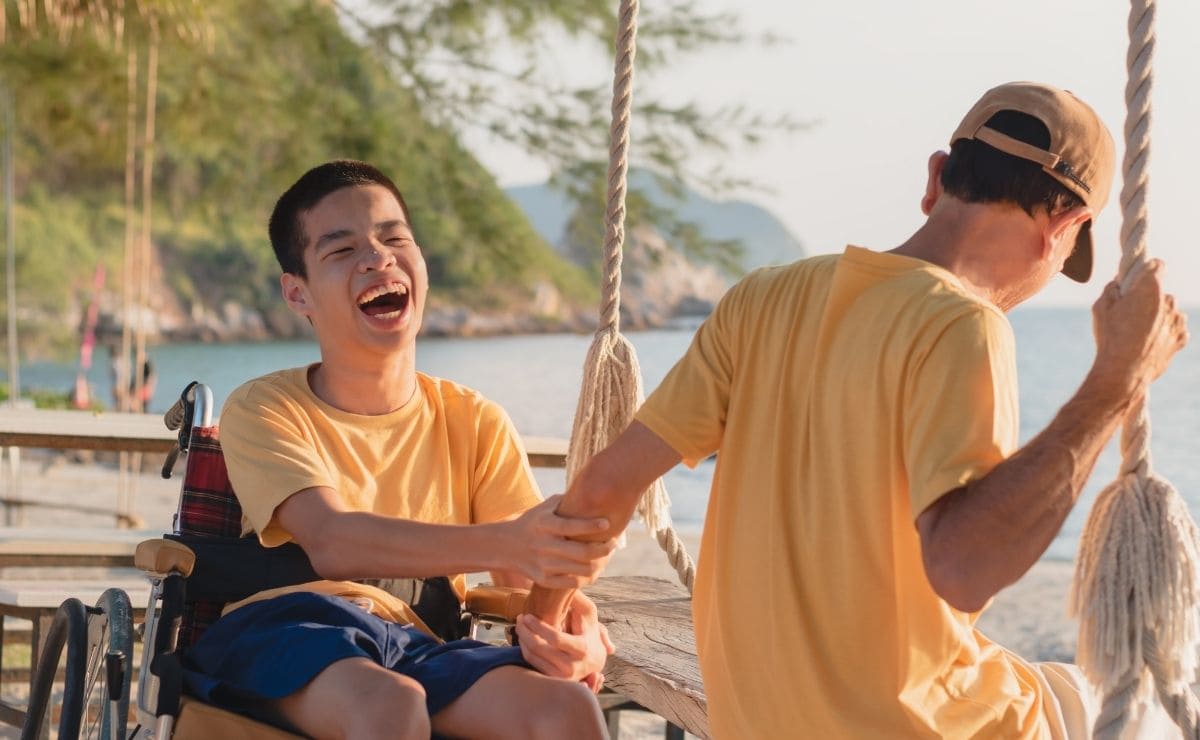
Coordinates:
[886,82]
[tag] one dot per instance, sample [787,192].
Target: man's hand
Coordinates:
[576,653]
[1138,331]
[539,548]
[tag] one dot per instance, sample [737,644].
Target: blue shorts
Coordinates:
[269,649]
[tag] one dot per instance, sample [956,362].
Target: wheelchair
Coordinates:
[203,564]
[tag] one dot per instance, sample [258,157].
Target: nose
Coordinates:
[376,257]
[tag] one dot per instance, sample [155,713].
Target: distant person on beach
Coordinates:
[869,497]
[124,399]
[378,471]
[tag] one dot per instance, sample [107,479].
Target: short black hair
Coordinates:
[287,233]
[979,173]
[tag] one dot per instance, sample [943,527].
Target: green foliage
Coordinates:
[278,88]
[46,399]
[252,94]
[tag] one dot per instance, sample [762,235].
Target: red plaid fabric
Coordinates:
[207,507]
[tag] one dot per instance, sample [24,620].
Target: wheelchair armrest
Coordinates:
[159,557]
[500,602]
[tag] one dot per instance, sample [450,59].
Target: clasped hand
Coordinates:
[577,652]
[541,548]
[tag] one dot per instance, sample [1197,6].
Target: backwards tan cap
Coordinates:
[1080,155]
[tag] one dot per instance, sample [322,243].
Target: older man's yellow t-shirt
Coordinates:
[448,456]
[843,394]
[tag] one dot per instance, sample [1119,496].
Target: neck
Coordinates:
[366,389]
[972,243]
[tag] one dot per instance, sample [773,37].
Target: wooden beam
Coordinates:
[118,431]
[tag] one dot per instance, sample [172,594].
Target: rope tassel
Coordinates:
[1137,595]
[610,394]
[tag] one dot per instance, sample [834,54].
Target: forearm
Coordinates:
[978,539]
[612,482]
[352,545]
[609,486]
[510,579]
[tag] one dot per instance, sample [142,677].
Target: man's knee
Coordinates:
[569,710]
[358,699]
[391,708]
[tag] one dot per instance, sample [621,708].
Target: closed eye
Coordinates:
[339,251]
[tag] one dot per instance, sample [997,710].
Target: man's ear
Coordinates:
[933,185]
[295,294]
[1065,224]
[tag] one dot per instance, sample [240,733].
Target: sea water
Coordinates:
[536,378]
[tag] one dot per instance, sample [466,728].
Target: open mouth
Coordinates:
[384,302]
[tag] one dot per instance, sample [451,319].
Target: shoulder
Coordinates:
[956,325]
[766,280]
[280,389]
[949,305]
[457,400]
[773,286]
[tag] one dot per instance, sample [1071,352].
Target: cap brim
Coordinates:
[1078,266]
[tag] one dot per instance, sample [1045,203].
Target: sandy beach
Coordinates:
[1029,618]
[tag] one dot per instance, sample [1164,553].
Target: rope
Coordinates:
[1136,589]
[612,379]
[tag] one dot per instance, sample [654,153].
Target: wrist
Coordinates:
[494,541]
[1112,390]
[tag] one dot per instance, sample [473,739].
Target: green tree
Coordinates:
[251,94]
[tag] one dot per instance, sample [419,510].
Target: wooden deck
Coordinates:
[650,622]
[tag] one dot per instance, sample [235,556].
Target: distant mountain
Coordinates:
[765,239]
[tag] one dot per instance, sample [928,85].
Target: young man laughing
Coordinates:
[378,471]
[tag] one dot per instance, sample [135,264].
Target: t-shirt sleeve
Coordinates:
[961,407]
[269,456]
[503,485]
[689,407]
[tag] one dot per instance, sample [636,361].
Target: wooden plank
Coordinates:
[49,593]
[118,431]
[546,452]
[84,430]
[49,546]
[655,665]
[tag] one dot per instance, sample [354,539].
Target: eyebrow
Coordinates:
[343,233]
[388,225]
[332,236]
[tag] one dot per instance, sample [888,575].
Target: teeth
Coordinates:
[382,290]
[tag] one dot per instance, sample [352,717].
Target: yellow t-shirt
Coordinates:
[845,394]
[448,456]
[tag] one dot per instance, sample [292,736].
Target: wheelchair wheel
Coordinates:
[70,630]
[104,699]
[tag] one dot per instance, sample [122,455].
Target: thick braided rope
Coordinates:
[1136,590]
[612,379]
